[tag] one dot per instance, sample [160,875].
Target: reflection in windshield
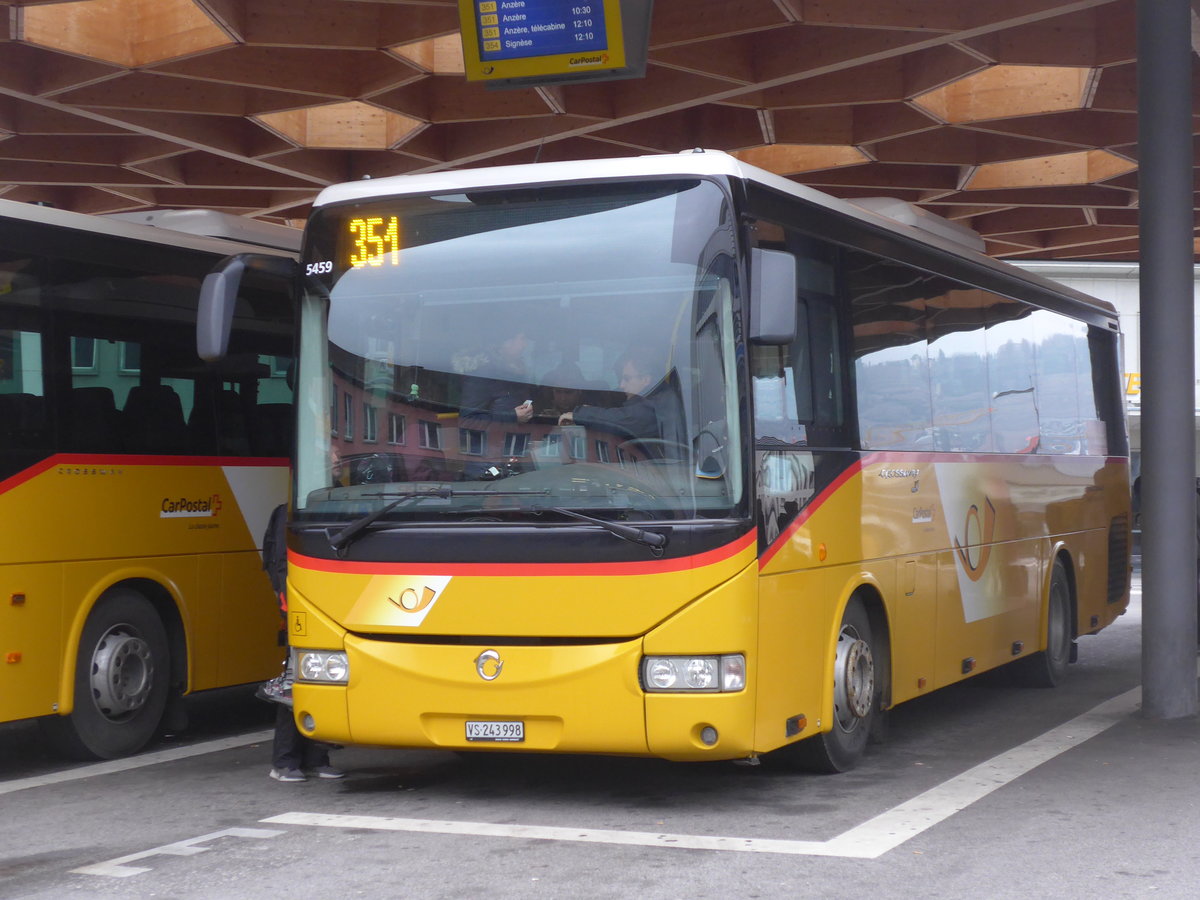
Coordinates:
[541,351]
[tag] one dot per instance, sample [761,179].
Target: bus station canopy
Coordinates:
[1017,118]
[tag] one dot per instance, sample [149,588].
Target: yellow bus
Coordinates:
[136,479]
[674,457]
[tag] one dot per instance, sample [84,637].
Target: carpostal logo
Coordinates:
[190,508]
[592,59]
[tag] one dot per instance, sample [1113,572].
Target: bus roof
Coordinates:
[885,213]
[211,223]
[225,241]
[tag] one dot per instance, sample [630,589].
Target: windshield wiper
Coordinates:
[651,539]
[344,536]
[340,539]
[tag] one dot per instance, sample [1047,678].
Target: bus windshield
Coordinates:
[509,352]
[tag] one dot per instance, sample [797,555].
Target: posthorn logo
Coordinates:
[190,507]
[488,664]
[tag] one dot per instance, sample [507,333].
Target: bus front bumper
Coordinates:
[570,698]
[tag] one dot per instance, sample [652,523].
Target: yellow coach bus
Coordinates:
[135,479]
[674,457]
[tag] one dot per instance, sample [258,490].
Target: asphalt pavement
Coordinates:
[984,790]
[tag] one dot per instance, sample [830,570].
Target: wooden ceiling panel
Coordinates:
[1066,40]
[783,54]
[683,21]
[108,149]
[1116,216]
[804,80]
[320,166]
[478,142]
[444,98]
[851,192]
[52,173]
[1116,89]
[1079,196]
[950,145]
[241,201]
[879,121]
[1016,221]
[401,24]
[883,177]
[18,68]
[728,58]
[34,118]
[907,15]
[876,82]
[225,135]
[312,23]
[341,74]
[167,94]
[1083,128]
[663,90]
[209,171]
[714,127]
[830,125]
[58,72]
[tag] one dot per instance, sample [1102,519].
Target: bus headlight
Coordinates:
[322,666]
[707,674]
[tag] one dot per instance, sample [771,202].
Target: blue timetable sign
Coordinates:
[511,43]
[516,29]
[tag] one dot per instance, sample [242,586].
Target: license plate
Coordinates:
[506,732]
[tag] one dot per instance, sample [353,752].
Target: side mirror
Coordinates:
[772,297]
[218,297]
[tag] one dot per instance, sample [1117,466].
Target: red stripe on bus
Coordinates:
[112,460]
[900,458]
[804,515]
[650,567]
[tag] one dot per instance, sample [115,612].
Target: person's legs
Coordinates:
[315,755]
[316,760]
[288,747]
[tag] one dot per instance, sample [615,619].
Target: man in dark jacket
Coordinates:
[633,419]
[500,390]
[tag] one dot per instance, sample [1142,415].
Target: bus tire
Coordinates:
[856,691]
[1046,668]
[121,672]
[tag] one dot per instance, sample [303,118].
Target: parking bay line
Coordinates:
[869,840]
[135,762]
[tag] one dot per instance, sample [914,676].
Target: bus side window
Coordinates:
[797,386]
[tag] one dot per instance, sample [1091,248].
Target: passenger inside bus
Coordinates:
[498,388]
[635,418]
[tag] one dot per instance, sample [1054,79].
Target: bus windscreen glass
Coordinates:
[507,352]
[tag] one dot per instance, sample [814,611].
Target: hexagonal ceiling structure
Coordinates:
[1014,117]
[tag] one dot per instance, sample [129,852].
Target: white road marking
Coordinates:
[118,868]
[135,762]
[549,833]
[869,840]
[892,828]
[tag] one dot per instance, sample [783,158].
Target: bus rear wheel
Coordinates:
[856,690]
[121,674]
[1046,668]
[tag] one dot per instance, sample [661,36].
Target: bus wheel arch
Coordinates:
[860,686]
[121,679]
[1057,619]
[167,606]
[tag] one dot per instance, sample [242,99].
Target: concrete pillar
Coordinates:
[1168,369]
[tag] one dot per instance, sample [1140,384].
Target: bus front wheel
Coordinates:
[856,691]
[121,673]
